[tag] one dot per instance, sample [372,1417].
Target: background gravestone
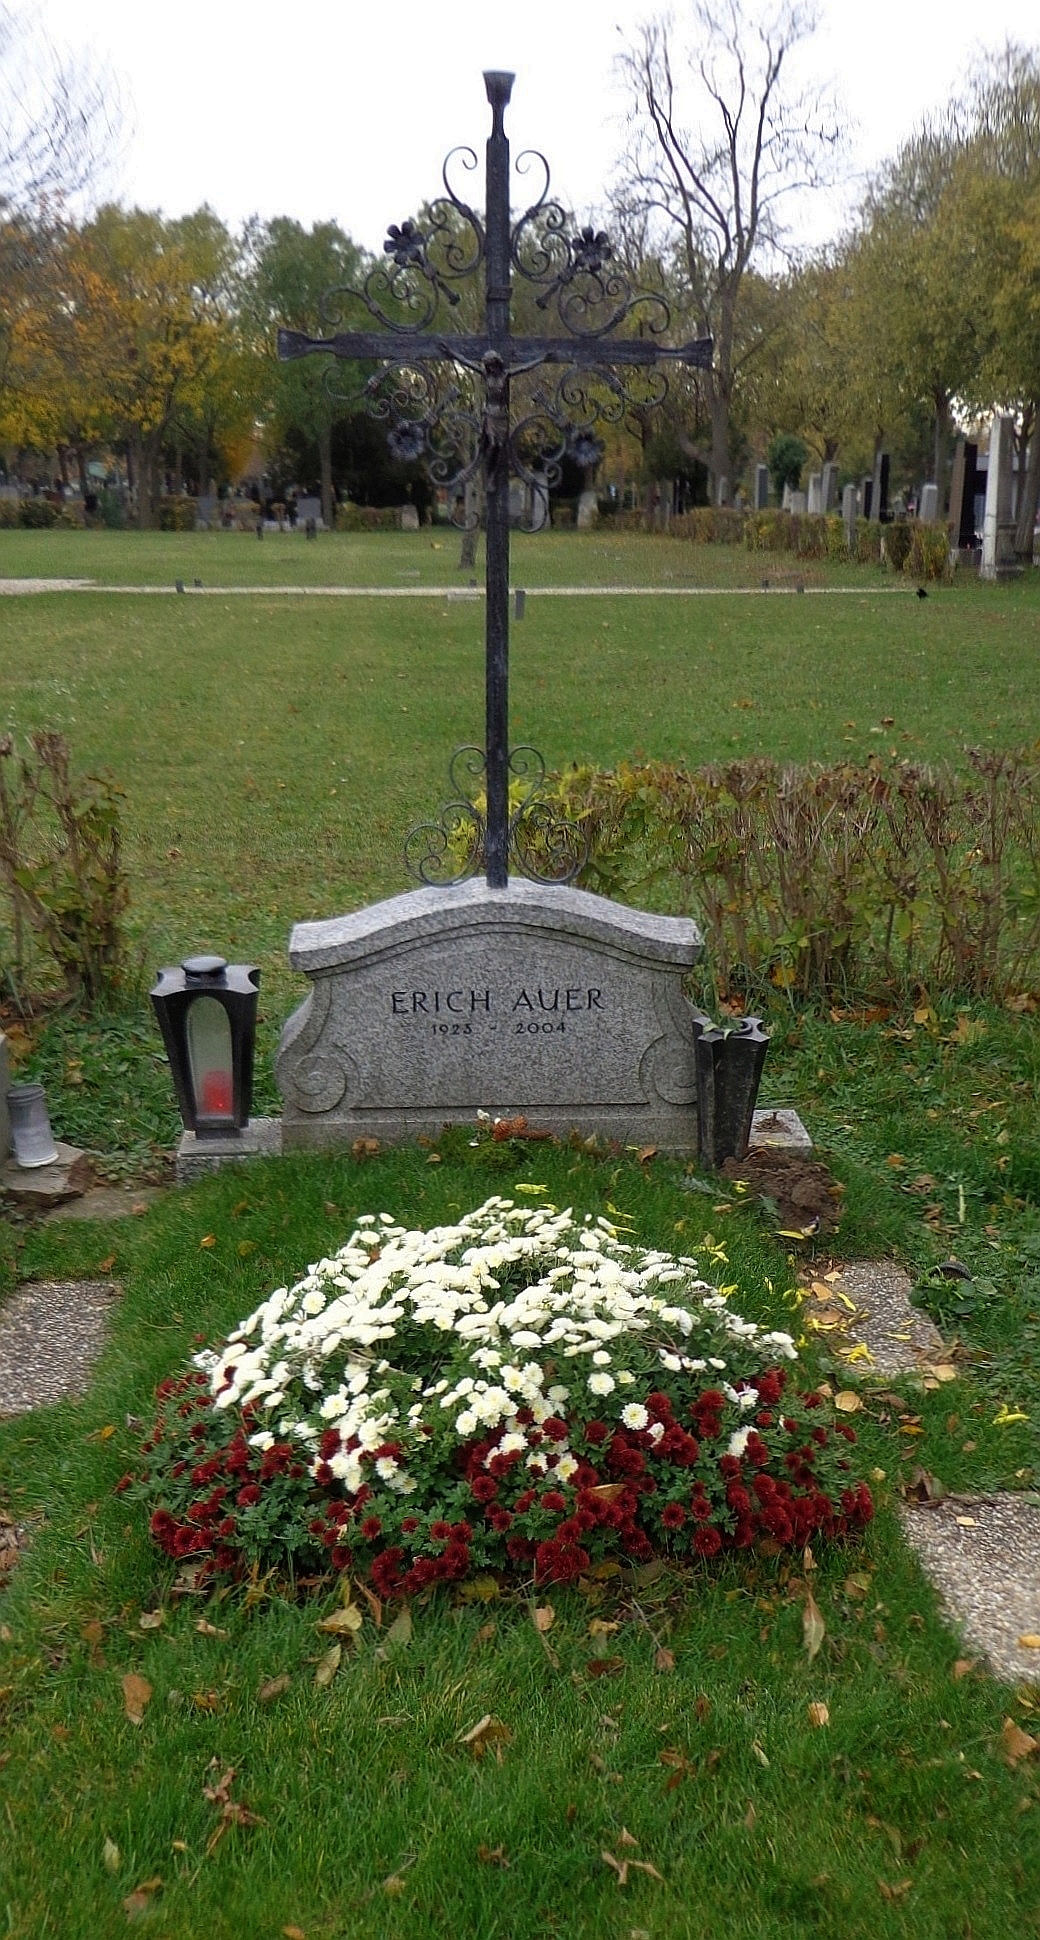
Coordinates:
[879,493]
[761,487]
[929,507]
[998,524]
[964,485]
[814,495]
[849,513]
[829,487]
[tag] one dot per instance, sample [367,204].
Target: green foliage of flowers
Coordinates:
[515,1392]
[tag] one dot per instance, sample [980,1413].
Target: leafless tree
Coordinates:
[58,117]
[717,141]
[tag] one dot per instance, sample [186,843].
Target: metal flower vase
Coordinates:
[730,1058]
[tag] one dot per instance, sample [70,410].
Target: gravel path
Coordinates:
[51,1334]
[18,586]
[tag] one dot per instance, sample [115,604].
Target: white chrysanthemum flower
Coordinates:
[558,1395]
[738,1441]
[467,1423]
[634,1415]
[624,1377]
[313,1303]
[566,1465]
[601,1358]
[386,1468]
[601,1382]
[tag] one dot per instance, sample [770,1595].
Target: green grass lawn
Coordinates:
[274,754]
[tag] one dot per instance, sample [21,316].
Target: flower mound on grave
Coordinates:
[519,1392]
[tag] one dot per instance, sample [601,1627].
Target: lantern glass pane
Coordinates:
[209,1058]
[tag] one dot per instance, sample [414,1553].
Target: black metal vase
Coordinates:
[729,1070]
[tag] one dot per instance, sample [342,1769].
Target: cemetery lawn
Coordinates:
[273,754]
[659,1717]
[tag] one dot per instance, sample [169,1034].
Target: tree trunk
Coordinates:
[1029,494]
[328,510]
[721,477]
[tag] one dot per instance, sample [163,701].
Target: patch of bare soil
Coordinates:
[802,1194]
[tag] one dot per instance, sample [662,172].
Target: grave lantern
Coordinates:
[207,1016]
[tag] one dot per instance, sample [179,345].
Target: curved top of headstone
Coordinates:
[469,907]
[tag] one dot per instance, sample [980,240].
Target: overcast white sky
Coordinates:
[345,110]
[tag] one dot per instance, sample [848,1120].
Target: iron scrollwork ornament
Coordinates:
[543,845]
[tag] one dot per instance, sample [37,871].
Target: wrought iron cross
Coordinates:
[472,437]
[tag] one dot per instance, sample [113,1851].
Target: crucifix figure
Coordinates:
[464,425]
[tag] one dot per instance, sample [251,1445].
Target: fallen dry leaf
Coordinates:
[139,1902]
[814,1629]
[232,1811]
[274,1687]
[664,1659]
[961,1668]
[400,1631]
[848,1402]
[622,1867]
[394,1885]
[137,1695]
[818,1715]
[487,1731]
[150,1620]
[111,1857]
[543,1617]
[894,1892]
[209,1629]
[492,1856]
[328,1665]
[604,1666]
[1016,1743]
[1030,1640]
[364,1148]
[342,1623]
[293,1933]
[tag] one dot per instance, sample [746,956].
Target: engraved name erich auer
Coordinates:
[468,1003]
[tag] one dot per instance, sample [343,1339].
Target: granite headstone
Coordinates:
[534,1001]
[998,524]
[829,486]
